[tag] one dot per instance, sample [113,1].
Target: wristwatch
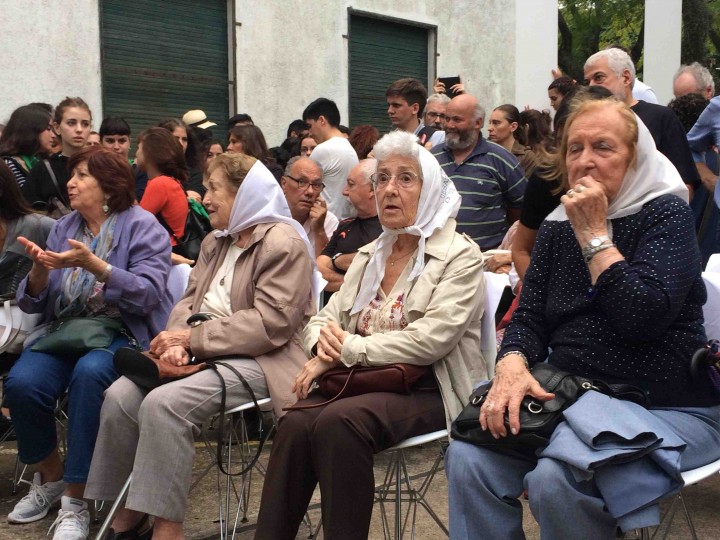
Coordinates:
[335,266]
[594,246]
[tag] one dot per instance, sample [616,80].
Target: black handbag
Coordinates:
[538,419]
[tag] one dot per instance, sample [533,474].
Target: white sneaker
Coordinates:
[73,521]
[37,503]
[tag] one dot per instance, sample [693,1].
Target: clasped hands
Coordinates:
[329,348]
[172,346]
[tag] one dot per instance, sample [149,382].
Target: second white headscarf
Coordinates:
[439,201]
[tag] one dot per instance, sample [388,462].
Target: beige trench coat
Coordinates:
[271,303]
[443,307]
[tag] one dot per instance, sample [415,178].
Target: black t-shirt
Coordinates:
[352,234]
[669,135]
[39,186]
[538,201]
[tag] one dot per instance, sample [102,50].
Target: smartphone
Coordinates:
[449,82]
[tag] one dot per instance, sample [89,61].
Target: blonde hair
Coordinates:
[235,166]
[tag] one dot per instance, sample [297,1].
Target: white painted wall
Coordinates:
[49,50]
[288,56]
[536,37]
[663,26]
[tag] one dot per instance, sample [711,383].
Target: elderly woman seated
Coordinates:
[254,276]
[614,291]
[104,268]
[414,296]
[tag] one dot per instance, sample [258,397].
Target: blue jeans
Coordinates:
[33,386]
[484,486]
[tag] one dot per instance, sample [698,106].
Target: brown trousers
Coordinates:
[334,445]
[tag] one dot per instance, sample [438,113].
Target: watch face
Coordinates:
[596,242]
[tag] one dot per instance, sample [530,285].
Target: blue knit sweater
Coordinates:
[639,324]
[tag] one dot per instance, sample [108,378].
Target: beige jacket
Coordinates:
[271,303]
[443,306]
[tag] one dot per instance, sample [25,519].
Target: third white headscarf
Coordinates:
[439,201]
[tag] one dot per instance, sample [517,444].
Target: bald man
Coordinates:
[488,177]
[352,233]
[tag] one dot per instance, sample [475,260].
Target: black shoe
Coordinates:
[134,533]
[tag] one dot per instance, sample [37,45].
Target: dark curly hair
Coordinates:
[688,108]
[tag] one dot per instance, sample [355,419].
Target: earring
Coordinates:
[105,207]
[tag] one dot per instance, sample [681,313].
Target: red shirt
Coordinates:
[165,196]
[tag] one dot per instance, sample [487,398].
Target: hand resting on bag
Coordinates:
[511,384]
[170,338]
[312,370]
[176,356]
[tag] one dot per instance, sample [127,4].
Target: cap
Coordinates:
[197,118]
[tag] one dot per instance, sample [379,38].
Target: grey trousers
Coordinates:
[153,435]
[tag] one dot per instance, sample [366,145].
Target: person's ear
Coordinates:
[513,127]
[283,183]
[415,108]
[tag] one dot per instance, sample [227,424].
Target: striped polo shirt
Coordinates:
[490,180]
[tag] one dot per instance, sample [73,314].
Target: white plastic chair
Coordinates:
[690,478]
[178,281]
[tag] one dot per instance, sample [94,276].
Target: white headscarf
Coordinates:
[651,176]
[439,201]
[261,200]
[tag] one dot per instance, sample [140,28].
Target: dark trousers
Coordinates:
[334,445]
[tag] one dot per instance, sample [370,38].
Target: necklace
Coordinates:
[393,261]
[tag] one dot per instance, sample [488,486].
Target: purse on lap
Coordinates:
[78,335]
[538,419]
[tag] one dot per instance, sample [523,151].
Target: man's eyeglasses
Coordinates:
[403,180]
[435,115]
[302,183]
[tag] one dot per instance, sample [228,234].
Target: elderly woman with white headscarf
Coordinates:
[255,276]
[613,293]
[413,296]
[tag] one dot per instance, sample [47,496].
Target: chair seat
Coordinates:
[701,473]
[245,406]
[420,439]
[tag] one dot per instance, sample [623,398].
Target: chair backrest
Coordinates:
[178,281]
[713,264]
[495,285]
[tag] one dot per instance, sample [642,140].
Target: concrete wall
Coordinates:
[663,26]
[288,56]
[49,50]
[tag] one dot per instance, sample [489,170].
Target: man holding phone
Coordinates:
[406,100]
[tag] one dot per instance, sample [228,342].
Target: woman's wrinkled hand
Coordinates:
[170,338]
[312,370]
[176,356]
[32,250]
[511,384]
[330,342]
[586,206]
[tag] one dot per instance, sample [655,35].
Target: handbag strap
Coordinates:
[221,429]
[297,407]
[55,182]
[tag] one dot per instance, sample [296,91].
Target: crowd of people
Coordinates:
[347,248]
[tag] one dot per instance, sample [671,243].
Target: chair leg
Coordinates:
[114,509]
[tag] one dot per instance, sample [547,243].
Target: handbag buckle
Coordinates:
[477,400]
[535,408]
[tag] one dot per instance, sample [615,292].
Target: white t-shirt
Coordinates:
[331,223]
[336,157]
[643,91]
[217,299]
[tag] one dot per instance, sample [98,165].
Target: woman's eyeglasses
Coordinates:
[403,180]
[302,183]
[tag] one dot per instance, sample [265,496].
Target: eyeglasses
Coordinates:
[403,180]
[434,115]
[302,184]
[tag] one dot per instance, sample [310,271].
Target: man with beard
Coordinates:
[488,177]
[435,109]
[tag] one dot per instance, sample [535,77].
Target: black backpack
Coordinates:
[197,227]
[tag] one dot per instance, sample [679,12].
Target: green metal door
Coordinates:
[382,52]
[161,58]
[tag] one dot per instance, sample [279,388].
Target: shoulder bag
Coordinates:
[197,227]
[15,326]
[78,335]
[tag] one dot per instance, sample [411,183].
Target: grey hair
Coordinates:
[294,160]
[368,167]
[617,59]
[478,113]
[700,73]
[442,99]
[397,143]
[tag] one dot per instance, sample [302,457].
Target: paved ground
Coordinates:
[202,522]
